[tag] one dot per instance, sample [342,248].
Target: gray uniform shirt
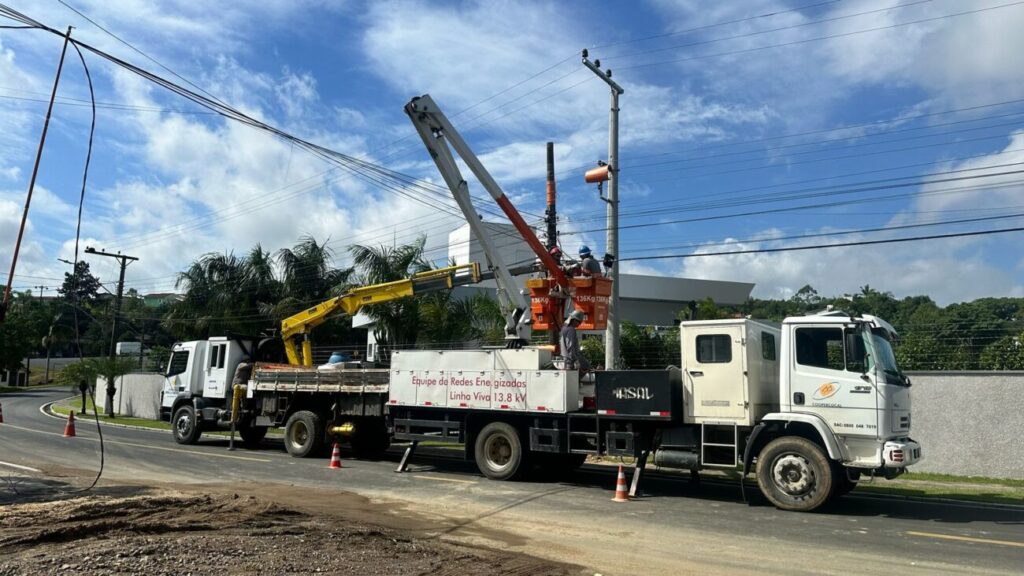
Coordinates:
[571,349]
[591,266]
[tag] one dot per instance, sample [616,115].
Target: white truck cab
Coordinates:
[841,372]
[201,369]
[819,400]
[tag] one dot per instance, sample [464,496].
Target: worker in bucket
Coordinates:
[574,359]
[589,266]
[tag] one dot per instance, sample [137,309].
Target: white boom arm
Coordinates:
[437,134]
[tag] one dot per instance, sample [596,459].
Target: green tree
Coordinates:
[86,289]
[396,324]
[593,350]
[1007,353]
[19,333]
[90,369]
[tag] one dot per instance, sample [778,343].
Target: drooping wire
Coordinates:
[78,235]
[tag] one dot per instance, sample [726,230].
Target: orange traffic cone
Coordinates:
[621,493]
[1,413]
[335,457]
[69,428]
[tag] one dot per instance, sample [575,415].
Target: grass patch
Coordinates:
[950,478]
[63,407]
[15,389]
[68,404]
[1003,495]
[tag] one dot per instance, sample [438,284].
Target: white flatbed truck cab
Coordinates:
[814,404]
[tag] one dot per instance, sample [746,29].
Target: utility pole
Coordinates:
[123,260]
[32,182]
[551,219]
[46,339]
[611,334]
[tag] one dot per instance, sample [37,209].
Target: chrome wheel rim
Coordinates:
[498,450]
[299,435]
[183,425]
[793,474]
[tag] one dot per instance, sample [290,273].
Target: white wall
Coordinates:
[969,423]
[137,395]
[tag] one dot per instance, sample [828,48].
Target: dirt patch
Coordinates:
[167,531]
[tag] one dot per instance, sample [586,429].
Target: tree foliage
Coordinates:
[397,323]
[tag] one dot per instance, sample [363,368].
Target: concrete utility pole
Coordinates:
[611,334]
[123,260]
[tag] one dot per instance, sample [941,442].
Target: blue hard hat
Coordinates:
[584,250]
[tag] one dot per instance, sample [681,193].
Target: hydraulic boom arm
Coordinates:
[437,134]
[302,324]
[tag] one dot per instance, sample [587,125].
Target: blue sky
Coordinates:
[730,107]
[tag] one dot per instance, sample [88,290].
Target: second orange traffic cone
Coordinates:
[621,492]
[69,428]
[335,457]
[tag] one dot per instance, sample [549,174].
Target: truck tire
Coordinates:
[794,474]
[252,435]
[185,425]
[304,434]
[499,452]
[371,440]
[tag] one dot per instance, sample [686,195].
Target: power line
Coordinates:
[771,30]
[718,24]
[819,38]
[823,246]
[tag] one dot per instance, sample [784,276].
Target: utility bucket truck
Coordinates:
[811,405]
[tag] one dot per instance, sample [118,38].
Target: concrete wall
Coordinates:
[137,395]
[969,423]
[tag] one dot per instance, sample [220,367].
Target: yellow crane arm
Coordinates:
[349,303]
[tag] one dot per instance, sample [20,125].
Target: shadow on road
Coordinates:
[662,485]
[19,488]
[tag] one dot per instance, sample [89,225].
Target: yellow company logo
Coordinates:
[826,390]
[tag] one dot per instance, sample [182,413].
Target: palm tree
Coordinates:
[396,323]
[210,299]
[307,276]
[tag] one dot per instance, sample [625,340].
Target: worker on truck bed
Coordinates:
[574,360]
[589,266]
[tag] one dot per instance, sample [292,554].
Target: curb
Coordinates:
[47,410]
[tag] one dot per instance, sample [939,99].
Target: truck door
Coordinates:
[216,373]
[828,379]
[714,364]
[177,377]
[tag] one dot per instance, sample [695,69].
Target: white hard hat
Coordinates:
[577,315]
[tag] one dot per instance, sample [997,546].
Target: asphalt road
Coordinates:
[677,528]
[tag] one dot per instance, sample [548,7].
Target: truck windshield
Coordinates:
[178,363]
[885,357]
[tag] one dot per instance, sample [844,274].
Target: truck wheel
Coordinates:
[794,474]
[371,440]
[499,452]
[185,425]
[252,435]
[304,434]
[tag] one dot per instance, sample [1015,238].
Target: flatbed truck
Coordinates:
[810,405]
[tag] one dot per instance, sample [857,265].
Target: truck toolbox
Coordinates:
[655,394]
